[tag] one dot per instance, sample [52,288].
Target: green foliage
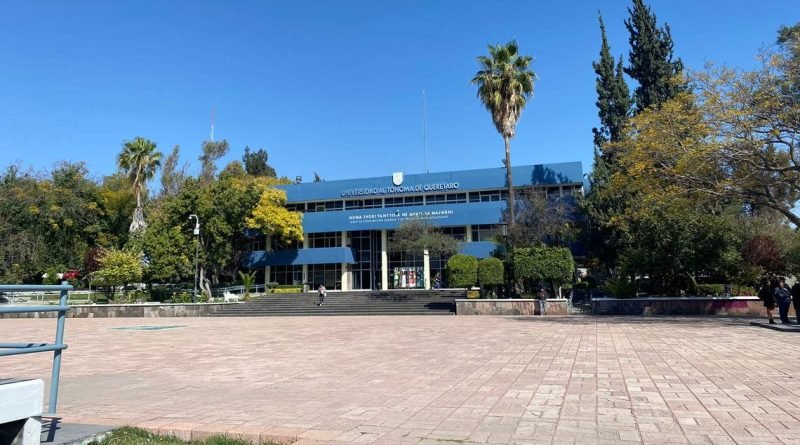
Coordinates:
[212,151]
[118,268]
[167,251]
[140,161]
[136,436]
[416,236]
[286,290]
[613,98]
[552,264]
[462,270]
[621,287]
[473,294]
[271,217]
[490,273]
[651,62]
[255,163]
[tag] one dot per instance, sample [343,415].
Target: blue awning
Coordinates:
[297,257]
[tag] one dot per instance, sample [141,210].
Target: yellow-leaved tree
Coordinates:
[271,217]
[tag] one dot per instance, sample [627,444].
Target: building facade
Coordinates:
[347,224]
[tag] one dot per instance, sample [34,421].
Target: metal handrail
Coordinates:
[7,349]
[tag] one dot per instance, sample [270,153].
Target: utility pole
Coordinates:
[196,251]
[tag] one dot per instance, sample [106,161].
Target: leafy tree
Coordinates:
[255,163]
[462,270]
[172,177]
[167,251]
[212,151]
[118,268]
[651,59]
[505,83]
[417,236]
[552,264]
[271,217]
[490,274]
[140,161]
[763,252]
[542,219]
[117,202]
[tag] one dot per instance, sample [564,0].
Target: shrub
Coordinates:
[490,273]
[620,287]
[553,264]
[462,270]
[711,289]
[286,290]
[473,294]
[743,291]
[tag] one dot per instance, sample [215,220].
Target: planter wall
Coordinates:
[728,306]
[130,310]
[511,307]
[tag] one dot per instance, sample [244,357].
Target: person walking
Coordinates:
[765,294]
[322,294]
[796,300]
[784,299]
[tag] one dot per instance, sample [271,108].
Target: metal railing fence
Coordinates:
[7,349]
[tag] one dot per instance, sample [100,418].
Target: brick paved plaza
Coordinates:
[433,380]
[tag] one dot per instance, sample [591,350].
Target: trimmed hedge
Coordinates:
[286,290]
[462,270]
[490,272]
[553,264]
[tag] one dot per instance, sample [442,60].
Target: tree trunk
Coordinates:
[205,285]
[510,182]
[137,223]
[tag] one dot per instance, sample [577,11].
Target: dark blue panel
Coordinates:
[391,218]
[295,257]
[483,179]
[480,249]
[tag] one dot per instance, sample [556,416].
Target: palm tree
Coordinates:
[139,160]
[505,82]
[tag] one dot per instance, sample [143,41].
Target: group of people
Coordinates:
[776,293]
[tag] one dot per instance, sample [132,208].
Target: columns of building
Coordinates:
[426,268]
[267,248]
[468,237]
[345,272]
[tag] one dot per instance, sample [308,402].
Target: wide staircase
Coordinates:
[395,302]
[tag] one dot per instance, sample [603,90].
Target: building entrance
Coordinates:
[366,245]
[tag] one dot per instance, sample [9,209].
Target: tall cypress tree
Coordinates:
[613,97]
[651,59]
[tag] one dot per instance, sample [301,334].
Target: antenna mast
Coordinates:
[425,130]
[213,115]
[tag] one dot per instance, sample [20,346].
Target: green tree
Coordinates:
[613,98]
[118,268]
[212,151]
[462,271]
[167,251]
[505,83]
[140,161]
[172,176]
[255,163]
[248,279]
[490,274]
[552,264]
[651,62]
[416,236]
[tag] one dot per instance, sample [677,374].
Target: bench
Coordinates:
[229,297]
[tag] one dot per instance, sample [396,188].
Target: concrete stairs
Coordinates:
[395,302]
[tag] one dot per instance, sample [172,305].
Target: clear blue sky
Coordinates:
[332,87]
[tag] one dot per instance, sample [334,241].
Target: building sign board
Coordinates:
[394,190]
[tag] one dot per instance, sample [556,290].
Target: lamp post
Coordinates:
[196,232]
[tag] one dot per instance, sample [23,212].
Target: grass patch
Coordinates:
[136,436]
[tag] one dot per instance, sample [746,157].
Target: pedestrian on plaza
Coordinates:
[437,281]
[765,294]
[322,294]
[796,300]
[784,299]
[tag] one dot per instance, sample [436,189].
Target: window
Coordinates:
[277,243]
[484,232]
[456,198]
[459,233]
[436,199]
[301,207]
[324,239]
[259,243]
[328,274]
[286,274]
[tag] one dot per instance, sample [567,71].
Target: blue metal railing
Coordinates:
[29,348]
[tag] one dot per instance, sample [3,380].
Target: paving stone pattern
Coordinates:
[429,380]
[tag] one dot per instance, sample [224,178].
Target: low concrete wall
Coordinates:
[729,306]
[130,310]
[511,307]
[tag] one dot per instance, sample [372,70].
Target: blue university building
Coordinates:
[347,224]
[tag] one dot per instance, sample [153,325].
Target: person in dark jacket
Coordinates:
[796,300]
[784,299]
[765,294]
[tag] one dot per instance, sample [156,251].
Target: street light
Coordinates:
[196,250]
